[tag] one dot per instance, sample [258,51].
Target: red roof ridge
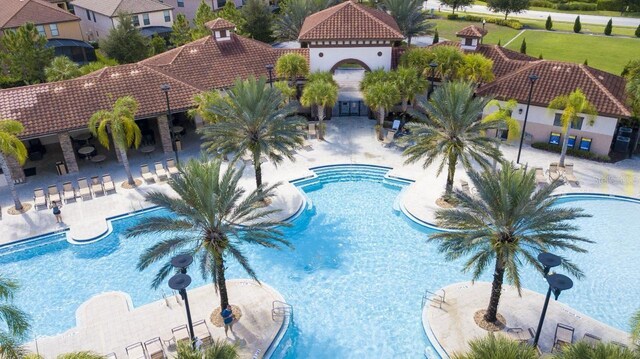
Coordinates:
[163,74]
[219,23]
[54,7]
[376,19]
[471,30]
[619,104]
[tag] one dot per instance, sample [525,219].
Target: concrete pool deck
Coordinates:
[452,326]
[108,322]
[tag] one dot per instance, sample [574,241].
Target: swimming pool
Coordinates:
[355,279]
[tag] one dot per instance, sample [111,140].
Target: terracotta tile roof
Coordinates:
[471,31]
[15,13]
[220,24]
[112,7]
[604,90]
[350,20]
[208,64]
[66,105]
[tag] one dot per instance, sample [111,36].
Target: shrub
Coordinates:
[611,5]
[542,3]
[586,62]
[580,6]
[638,31]
[549,24]
[540,57]
[472,18]
[571,152]
[436,37]
[452,17]
[577,26]
[523,46]
[608,28]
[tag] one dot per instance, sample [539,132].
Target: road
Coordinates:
[542,15]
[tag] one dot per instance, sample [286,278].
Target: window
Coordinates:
[54,29]
[167,16]
[145,19]
[88,14]
[94,16]
[135,20]
[468,42]
[577,125]
[223,33]
[41,30]
[221,3]
[180,3]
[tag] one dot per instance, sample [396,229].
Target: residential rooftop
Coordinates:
[16,13]
[113,7]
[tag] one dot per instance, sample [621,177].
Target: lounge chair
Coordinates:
[83,188]
[171,167]
[54,195]
[154,348]
[591,339]
[160,171]
[388,139]
[146,174]
[107,183]
[396,125]
[201,331]
[312,130]
[554,172]
[519,334]
[136,351]
[39,198]
[568,174]
[181,334]
[68,192]
[464,186]
[621,345]
[111,355]
[563,336]
[96,186]
[541,179]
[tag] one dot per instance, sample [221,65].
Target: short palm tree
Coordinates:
[476,68]
[321,76]
[124,130]
[80,355]
[11,147]
[291,66]
[62,68]
[498,347]
[502,115]
[321,94]
[509,222]
[374,77]
[288,92]
[380,97]
[409,16]
[16,322]
[572,105]
[584,350]
[211,218]
[451,131]
[220,349]
[410,83]
[203,101]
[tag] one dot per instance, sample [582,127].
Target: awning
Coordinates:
[68,43]
[149,31]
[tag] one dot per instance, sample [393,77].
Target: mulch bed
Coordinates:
[216,318]
[126,184]
[442,203]
[478,317]
[14,211]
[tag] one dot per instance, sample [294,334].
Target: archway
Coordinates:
[348,73]
[349,62]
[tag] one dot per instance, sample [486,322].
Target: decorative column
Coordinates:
[165,134]
[68,152]
[198,121]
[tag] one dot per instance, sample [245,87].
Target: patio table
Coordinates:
[147,149]
[86,151]
[98,158]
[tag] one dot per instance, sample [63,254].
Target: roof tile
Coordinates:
[15,13]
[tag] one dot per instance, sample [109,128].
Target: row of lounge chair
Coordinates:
[85,190]
[160,171]
[156,349]
[556,172]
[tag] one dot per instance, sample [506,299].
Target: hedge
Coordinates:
[514,24]
[571,152]
[582,6]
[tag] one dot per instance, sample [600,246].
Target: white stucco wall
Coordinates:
[93,30]
[331,56]
[474,44]
[156,18]
[191,6]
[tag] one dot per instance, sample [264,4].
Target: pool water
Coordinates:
[355,278]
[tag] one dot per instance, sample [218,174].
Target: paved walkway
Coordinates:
[108,323]
[453,325]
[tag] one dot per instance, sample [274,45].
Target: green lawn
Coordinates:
[606,53]
[447,30]
[577,12]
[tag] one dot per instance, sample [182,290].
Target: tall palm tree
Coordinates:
[409,16]
[291,66]
[451,131]
[410,83]
[254,121]
[572,105]
[11,147]
[476,68]
[380,97]
[508,222]
[584,350]
[124,130]
[288,24]
[62,68]
[496,346]
[322,94]
[210,218]
[374,77]
[16,322]
[502,114]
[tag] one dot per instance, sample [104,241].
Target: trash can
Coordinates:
[622,144]
[61,167]
[625,131]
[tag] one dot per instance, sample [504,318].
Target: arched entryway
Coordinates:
[347,62]
[348,73]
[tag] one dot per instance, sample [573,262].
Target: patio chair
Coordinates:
[621,345]
[396,125]
[181,334]
[111,355]
[83,188]
[136,351]
[171,167]
[154,348]
[563,336]
[312,130]
[464,186]
[54,195]
[96,186]
[541,179]
[39,198]
[107,183]
[160,171]
[146,174]
[554,172]
[68,192]
[201,331]
[569,175]
[591,339]
[388,139]
[520,335]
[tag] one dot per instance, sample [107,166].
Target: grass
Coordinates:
[448,28]
[577,12]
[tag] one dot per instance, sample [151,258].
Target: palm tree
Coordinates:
[380,97]
[476,68]
[502,114]
[124,130]
[508,222]
[496,346]
[584,350]
[409,16]
[410,84]
[11,147]
[254,121]
[220,349]
[451,130]
[62,68]
[374,77]
[322,94]
[572,105]
[203,101]
[322,76]
[80,355]
[288,24]
[291,66]
[210,218]
[288,92]
[16,322]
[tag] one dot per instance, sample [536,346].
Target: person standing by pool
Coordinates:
[227,318]
[57,212]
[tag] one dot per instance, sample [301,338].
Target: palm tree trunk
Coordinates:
[405,105]
[409,41]
[381,114]
[565,145]
[450,174]
[496,290]
[10,183]
[222,285]
[127,168]
[320,124]
[258,168]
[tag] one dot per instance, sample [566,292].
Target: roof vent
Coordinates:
[115,74]
[134,72]
[556,68]
[58,89]
[88,84]
[193,51]
[601,77]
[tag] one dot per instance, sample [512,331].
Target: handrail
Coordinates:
[281,310]
[434,297]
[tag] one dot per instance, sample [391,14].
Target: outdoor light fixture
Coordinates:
[532,81]
[166,88]
[433,66]
[519,111]
[180,282]
[483,22]
[270,69]
[181,262]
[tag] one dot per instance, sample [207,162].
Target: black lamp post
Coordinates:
[557,284]
[433,66]
[270,69]
[180,282]
[165,88]
[182,261]
[532,80]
